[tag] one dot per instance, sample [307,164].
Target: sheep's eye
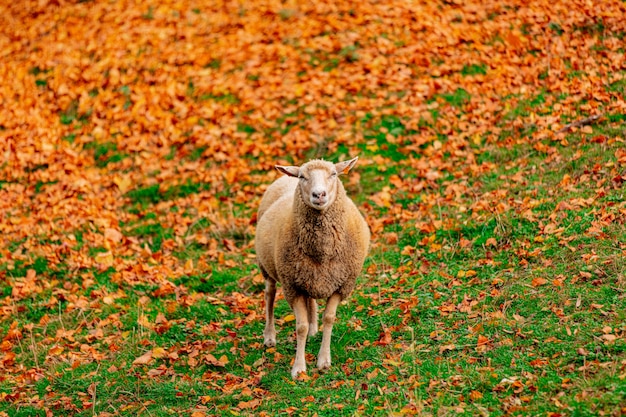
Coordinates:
[334,174]
[303,179]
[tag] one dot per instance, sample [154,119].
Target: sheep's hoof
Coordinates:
[323,364]
[297,370]
[270,339]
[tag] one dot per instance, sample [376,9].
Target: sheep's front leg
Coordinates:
[270,330]
[300,310]
[323,359]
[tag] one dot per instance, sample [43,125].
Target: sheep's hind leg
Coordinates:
[311,306]
[300,310]
[323,359]
[269,334]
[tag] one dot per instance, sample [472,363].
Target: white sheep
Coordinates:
[313,240]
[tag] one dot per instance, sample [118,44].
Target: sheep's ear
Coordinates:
[289,170]
[345,166]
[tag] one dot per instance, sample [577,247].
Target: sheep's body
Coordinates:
[315,253]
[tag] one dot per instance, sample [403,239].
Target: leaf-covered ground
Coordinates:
[137,137]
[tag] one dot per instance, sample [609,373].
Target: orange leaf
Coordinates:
[538,363]
[536,282]
[482,340]
[55,350]
[475,395]
[249,405]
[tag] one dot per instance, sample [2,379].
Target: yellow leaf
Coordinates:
[144,322]
[123,183]
[105,258]
[188,269]
[158,352]
[289,317]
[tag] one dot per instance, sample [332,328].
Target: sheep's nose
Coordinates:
[318,194]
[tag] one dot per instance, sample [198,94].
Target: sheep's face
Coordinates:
[318,180]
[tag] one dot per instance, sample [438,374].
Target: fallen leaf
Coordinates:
[475,395]
[159,352]
[113,235]
[212,360]
[444,348]
[536,282]
[144,359]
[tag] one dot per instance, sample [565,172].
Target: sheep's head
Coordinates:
[318,180]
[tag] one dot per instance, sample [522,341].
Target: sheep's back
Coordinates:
[284,186]
[274,215]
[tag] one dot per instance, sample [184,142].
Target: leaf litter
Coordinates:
[136,142]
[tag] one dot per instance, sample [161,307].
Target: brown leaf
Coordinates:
[447,347]
[371,375]
[113,235]
[161,370]
[384,338]
[144,359]
[212,360]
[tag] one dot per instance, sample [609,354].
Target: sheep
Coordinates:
[312,239]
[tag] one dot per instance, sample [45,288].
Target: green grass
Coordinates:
[153,194]
[105,153]
[458,98]
[474,69]
[329,61]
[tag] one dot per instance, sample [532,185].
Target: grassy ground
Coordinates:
[496,281]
